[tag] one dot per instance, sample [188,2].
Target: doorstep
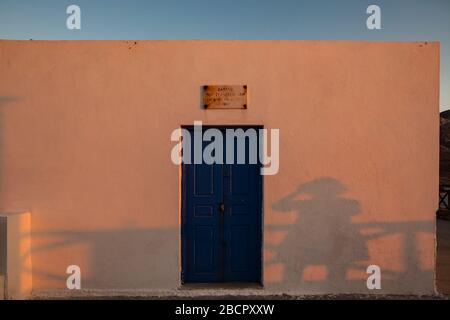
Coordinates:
[222,286]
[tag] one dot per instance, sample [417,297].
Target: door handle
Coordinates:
[222,208]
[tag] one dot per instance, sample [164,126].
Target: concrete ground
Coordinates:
[252,297]
[443,257]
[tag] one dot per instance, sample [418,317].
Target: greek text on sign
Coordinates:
[225,97]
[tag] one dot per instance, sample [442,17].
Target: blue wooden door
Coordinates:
[221,221]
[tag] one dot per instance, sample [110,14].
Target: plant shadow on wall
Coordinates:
[324,250]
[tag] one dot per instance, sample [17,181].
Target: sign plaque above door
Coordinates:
[225,97]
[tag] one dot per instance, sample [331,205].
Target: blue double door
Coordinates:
[221,218]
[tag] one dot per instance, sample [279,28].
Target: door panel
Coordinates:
[204,249]
[242,223]
[221,247]
[202,232]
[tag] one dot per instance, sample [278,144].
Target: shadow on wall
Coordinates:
[324,248]
[4,100]
[323,251]
[110,259]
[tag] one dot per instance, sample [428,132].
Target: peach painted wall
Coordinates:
[85,147]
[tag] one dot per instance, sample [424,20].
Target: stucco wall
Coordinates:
[85,146]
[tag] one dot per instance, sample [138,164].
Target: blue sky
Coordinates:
[233,19]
